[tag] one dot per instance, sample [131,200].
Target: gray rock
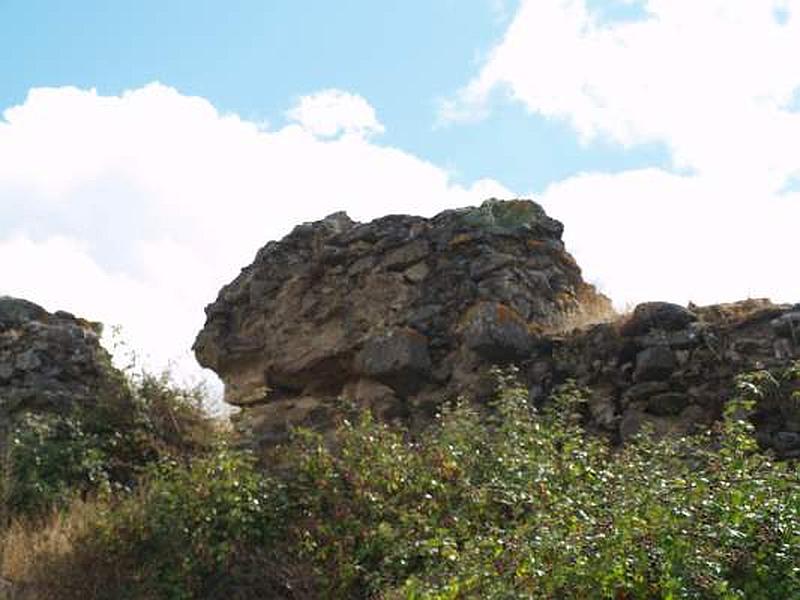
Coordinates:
[484,265]
[654,364]
[16,311]
[631,423]
[786,440]
[602,408]
[52,362]
[496,332]
[657,315]
[6,371]
[667,404]
[407,255]
[787,325]
[677,340]
[416,273]
[398,357]
[642,391]
[27,361]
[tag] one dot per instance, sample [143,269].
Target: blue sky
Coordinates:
[148,148]
[255,57]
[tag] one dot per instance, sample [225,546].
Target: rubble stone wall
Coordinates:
[404,313]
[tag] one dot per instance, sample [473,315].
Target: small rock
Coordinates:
[786,440]
[484,265]
[787,325]
[654,364]
[416,273]
[642,391]
[657,315]
[667,404]
[399,358]
[6,371]
[380,398]
[362,265]
[16,311]
[603,408]
[682,339]
[400,258]
[496,332]
[631,423]
[28,361]
[7,589]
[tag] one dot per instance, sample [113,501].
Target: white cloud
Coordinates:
[135,209]
[715,81]
[712,79]
[652,235]
[330,112]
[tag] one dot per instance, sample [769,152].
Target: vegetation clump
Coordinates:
[104,447]
[512,502]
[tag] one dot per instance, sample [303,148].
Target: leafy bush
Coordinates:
[524,504]
[100,448]
[516,503]
[213,528]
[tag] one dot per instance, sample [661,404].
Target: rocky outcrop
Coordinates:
[51,362]
[394,314]
[673,367]
[404,313]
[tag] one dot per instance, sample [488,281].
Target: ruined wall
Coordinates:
[674,367]
[404,313]
[51,361]
[392,314]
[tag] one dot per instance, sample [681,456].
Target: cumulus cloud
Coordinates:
[330,112]
[715,82]
[652,235]
[135,209]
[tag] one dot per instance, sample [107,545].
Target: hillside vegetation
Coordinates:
[505,501]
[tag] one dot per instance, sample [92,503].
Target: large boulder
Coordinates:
[410,303]
[657,315]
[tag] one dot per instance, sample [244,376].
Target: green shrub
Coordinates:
[525,504]
[212,528]
[183,534]
[104,447]
[53,459]
[509,502]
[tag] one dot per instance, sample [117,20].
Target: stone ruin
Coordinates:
[404,313]
[51,362]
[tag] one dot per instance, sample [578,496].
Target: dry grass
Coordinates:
[55,558]
[27,543]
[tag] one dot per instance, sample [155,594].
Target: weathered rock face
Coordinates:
[673,367]
[392,312]
[51,362]
[403,313]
